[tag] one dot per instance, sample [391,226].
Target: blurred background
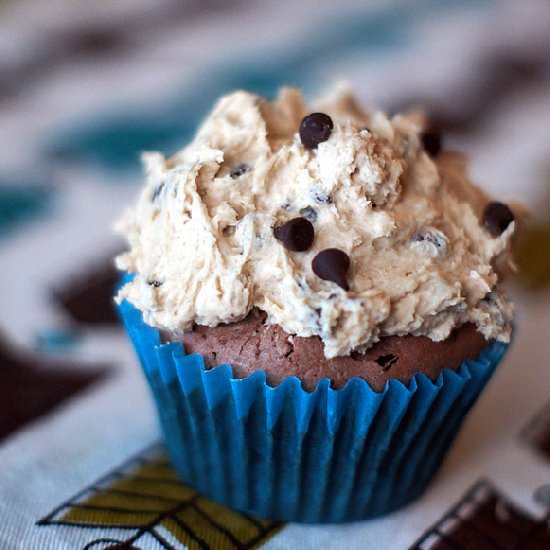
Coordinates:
[86,86]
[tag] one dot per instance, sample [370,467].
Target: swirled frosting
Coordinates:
[201,234]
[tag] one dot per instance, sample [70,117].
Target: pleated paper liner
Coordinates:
[284,453]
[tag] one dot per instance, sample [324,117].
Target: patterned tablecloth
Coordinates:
[84,87]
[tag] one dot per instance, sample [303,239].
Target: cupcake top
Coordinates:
[335,221]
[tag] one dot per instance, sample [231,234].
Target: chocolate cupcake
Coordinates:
[331,278]
[251,345]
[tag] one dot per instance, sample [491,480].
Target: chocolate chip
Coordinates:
[239,170]
[490,297]
[320,196]
[433,142]
[497,217]
[157,192]
[154,283]
[296,234]
[314,129]
[387,361]
[332,264]
[432,240]
[309,213]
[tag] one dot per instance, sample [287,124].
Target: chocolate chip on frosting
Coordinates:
[432,241]
[433,142]
[157,191]
[320,196]
[497,216]
[309,213]
[315,129]
[239,170]
[296,234]
[332,264]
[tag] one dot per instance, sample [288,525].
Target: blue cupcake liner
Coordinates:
[288,454]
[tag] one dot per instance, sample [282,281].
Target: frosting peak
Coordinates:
[202,244]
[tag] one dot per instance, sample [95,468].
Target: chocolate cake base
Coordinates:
[250,345]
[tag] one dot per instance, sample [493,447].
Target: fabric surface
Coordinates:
[84,87]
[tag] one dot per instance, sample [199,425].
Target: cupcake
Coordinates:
[315,297]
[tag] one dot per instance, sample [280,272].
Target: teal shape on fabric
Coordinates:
[115,141]
[20,203]
[56,339]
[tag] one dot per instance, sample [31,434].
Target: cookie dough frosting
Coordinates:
[340,225]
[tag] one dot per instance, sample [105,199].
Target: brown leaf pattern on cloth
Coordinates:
[32,386]
[483,519]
